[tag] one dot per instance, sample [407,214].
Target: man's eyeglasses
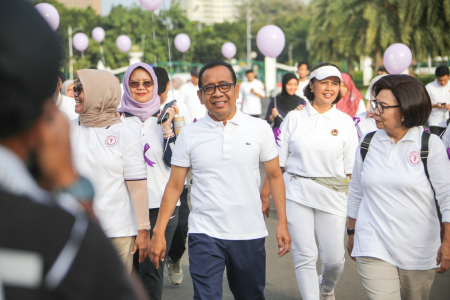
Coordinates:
[211,89]
[77,89]
[136,84]
[375,105]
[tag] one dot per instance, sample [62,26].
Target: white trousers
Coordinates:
[303,223]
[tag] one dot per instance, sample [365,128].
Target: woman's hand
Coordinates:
[351,240]
[172,111]
[300,107]
[275,113]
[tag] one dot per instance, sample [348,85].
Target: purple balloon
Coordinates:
[150,4]
[397,58]
[98,34]
[80,41]
[270,40]
[182,42]
[123,42]
[49,13]
[229,50]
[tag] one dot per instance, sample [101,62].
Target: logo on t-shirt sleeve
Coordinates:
[413,158]
[111,140]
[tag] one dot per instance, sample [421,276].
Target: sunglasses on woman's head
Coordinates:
[136,84]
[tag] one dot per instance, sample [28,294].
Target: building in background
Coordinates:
[209,12]
[95,4]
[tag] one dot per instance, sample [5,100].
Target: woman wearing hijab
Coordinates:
[351,97]
[109,154]
[67,88]
[284,102]
[140,110]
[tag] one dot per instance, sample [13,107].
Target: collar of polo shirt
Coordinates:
[325,72]
[329,114]
[411,135]
[237,119]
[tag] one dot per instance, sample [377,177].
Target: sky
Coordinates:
[108,4]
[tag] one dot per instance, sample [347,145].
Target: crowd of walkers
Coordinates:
[94,177]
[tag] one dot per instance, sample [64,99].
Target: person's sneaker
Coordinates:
[175,271]
[323,296]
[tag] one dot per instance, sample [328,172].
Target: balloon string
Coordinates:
[154,38]
[168,43]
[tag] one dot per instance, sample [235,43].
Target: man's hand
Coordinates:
[284,239]
[443,255]
[351,240]
[265,205]
[142,243]
[157,249]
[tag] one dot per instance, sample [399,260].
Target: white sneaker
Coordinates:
[323,296]
[175,271]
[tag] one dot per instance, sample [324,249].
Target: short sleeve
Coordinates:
[283,139]
[133,161]
[180,153]
[268,146]
[261,89]
[350,145]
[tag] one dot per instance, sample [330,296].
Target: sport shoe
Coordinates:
[175,271]
[323,296]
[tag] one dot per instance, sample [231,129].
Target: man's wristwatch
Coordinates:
[350,231]
[82,190]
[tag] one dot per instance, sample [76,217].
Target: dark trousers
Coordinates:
[245,262]
[178,245]
[437,130]
[151,277]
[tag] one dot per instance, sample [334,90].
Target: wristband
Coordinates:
[350,231]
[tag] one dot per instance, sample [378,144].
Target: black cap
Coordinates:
[29,61]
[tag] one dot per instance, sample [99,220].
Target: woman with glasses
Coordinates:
[393,223]
[317,152]
[140,110]
[109,154]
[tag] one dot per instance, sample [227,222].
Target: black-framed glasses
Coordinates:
[211,89]
[136,84]
[77,89]
[375,105]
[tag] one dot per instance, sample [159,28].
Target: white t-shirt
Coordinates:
[438,94]
[251,104]
[301,86]
[224,161]
[393,203]
[158,172]
[309,148]
[365,125]
[190,97]
[108,157]
[67,106]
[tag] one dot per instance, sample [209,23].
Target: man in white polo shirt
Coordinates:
[226,225]
[252,91]
[439,91]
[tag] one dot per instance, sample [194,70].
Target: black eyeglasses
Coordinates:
[136,84]
[211,89]
[77,89]
[375,105]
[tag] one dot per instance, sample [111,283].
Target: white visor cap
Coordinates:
[326,71]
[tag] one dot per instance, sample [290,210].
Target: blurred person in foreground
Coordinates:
[49,248]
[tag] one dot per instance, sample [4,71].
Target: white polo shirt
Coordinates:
[67,106]
[224,160]
[251,104]
[158,172]
[108,157]
[393,203]
[317,145]
[438,94]
[190,97]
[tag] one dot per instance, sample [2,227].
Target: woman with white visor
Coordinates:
[317,152]
[109,154]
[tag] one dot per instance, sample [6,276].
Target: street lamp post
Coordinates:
[71,50]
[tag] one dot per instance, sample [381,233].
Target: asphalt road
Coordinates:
[281,283]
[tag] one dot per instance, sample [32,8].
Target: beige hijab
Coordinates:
[101,98]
